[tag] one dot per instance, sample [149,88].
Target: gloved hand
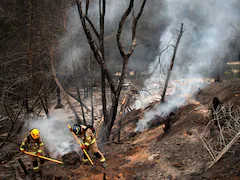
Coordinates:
[38,153]
[70,130]
[84,147]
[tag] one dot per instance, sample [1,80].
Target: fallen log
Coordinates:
[23,166]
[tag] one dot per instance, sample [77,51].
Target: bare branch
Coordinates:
[87,6]
[96,52]
[93,27]
[12,125]
[225,149]
[135,20]
[227,127]
[60,86]
[124,17]
[159,59]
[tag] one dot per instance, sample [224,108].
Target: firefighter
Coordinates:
[34,144]
[86,133]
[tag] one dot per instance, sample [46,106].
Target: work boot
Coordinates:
[104,165]
[37,175]
[85,162]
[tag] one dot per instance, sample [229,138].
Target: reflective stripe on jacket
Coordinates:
[32,145]
[87,136]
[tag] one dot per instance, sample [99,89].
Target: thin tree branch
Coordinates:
[124,17]
[135,21]
[93,27]
[12,125]
[60,86]
[96,52]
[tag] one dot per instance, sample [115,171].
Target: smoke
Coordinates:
[202,49]
[54,131]
[75,46]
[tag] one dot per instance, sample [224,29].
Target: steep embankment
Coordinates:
[179,154]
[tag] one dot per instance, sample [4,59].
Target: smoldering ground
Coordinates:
[202,51]
[54,131]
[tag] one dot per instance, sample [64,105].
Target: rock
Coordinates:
[152,157]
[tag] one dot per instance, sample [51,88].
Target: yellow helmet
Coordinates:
[35,134]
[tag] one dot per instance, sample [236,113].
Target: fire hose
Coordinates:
[80,144]
[43,157]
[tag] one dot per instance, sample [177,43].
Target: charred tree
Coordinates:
[125,106]
[109,116]
[59,104]
[172,62]
[78,92]
[13,121]
[122,112]
[91,87]
[217,79]
[29,49]
[25,102]
[25,69]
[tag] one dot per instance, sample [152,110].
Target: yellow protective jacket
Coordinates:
[87,136]
[32,145]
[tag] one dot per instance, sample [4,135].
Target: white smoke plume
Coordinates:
[74,45]
[204,45]
[57,138]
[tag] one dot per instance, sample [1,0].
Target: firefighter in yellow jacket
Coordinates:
[87,135]
[34,144]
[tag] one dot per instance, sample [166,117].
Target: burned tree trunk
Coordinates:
[91,95]
[172,62]
[122,112]
[125,56]
[102,9]
[91,85]
[78,92]
[217,79]
[109,117]
[59,104]
[26,101]
[13,121]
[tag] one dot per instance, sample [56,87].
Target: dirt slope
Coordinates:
[178,155]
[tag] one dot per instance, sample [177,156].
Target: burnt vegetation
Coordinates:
[96,58]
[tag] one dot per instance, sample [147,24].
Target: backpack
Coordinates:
[91,127]
[88,127]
